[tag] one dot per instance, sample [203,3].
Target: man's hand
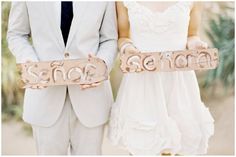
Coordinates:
[36,86]
[93,85]
[93,56]
[28,61]
[195,42]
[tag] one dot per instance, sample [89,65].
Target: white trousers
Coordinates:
[68,132]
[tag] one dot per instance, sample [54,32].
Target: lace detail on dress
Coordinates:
[155,21]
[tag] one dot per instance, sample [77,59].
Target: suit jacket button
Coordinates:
[66,55]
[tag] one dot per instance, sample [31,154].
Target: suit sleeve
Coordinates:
[18,33]
[108,36]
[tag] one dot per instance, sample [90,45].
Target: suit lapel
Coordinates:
[52,13]
[79,9]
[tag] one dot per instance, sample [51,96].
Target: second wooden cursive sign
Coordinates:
[170,61]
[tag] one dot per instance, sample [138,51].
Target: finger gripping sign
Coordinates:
[170,61]
[64,72]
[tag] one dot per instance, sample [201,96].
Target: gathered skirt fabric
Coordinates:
[160,111]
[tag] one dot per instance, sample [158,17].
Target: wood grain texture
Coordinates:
[64,72]
[170,61]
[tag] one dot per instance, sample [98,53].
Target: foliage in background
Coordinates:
[221,34]
[11,93]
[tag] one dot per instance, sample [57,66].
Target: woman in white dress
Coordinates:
[160,112]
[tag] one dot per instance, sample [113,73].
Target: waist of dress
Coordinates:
[153,46]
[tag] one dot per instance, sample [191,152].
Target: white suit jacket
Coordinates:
[93,30]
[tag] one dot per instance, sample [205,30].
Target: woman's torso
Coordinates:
[159,28]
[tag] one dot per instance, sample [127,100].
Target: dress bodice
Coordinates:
[159,31]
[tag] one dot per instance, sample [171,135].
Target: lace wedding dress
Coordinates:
[160,111]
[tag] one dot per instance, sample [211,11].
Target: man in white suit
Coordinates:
[65,116]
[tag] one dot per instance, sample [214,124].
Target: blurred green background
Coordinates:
[12,95]
[217,29]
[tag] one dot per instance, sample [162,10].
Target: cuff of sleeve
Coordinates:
[25,58]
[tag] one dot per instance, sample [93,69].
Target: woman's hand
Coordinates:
[131,49]
[126,46]
[194,42]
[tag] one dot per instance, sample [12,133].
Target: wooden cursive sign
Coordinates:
[64,72]
[170,61]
